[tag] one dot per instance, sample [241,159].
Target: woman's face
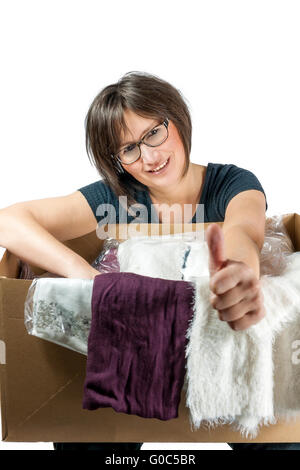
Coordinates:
[171,150]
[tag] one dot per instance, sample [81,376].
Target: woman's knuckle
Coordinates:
[233,325]
[239,325]
[255,289]
[257,301]
[257,316]
[261,295]
[254,284]
[261,313]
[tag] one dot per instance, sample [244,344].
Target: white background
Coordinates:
[236,63]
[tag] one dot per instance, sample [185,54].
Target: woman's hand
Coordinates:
[83,271]
[236,291]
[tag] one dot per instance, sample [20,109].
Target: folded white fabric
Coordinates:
[175,256]
[59,310]
[196,260]
[155,257]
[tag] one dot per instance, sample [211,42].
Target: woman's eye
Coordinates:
[129,148]
[153,132]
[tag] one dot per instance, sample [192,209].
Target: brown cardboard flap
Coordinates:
[9,265]
[3,381]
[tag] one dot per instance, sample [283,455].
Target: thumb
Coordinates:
[216,249]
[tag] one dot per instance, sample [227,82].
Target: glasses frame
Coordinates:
[165,123]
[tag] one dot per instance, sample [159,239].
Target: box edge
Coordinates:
[3,369]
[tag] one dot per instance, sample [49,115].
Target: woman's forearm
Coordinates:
[239,246]
[23,236]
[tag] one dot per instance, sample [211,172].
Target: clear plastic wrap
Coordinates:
[107,261]
[274,256]
[59,310]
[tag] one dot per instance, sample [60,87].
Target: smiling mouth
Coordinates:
[165,164]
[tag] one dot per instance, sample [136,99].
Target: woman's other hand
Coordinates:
[84,272]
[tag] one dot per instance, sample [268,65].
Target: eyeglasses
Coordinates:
[131,153]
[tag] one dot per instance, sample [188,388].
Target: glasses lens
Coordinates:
[129,154]
[156,136]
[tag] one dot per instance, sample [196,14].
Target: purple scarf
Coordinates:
[136,345]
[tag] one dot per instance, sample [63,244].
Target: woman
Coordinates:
[138,135]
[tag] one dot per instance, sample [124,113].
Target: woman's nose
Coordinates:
[149,154]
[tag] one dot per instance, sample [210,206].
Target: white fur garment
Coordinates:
[246,378]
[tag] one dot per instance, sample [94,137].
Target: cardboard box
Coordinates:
[42,383]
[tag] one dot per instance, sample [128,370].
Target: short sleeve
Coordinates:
[232,180]
[99,194]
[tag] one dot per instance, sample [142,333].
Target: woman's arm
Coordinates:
[33,231]
[234,261]
[244,228]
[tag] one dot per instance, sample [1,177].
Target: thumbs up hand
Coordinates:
[236,291]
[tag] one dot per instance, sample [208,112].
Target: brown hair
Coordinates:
[147,96]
